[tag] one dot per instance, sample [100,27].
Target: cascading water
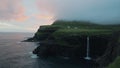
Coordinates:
[88,49]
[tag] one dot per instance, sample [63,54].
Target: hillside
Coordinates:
[68,38]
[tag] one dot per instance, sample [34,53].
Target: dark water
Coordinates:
[16,54]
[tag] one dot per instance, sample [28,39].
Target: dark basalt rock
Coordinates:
[29,40]
[51,48]
[103,50]
[112,51]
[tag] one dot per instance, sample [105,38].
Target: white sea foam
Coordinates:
[33,55]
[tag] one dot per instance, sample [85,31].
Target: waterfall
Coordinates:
[88,49]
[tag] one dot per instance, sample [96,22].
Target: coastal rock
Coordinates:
[68,39]
[51,49]
[44,32]
[112,51]
[73,49]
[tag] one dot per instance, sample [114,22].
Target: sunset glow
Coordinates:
[28,15]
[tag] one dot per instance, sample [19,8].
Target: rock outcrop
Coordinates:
[73,47]
[52,49]
[112,51]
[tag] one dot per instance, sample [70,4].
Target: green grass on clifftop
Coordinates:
[62,28]
[80,28]
[84,25]
[87,32]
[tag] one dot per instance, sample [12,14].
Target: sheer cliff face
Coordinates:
[106,55]
[69,39]
[112,51]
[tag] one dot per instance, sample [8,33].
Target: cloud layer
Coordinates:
[12,10]
[101,11]
[33,13]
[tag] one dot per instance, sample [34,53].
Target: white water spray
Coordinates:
[88,50]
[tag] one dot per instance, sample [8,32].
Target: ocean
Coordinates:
[17,54]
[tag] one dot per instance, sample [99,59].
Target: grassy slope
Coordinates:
[83,28]
[115,64]
[83,25]
[87,32]
[66,28]
[79,28]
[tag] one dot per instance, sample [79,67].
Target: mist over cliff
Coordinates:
[99,11]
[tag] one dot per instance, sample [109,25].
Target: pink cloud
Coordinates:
[45,5]
[12,10]
[44,16]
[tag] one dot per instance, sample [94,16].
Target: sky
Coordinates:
[28,15]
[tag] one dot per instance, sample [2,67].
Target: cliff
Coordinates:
[112,51]
[68,39]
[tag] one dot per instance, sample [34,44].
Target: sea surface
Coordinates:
[17,54]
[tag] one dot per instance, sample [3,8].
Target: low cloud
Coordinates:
[12,10]
[100,11]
